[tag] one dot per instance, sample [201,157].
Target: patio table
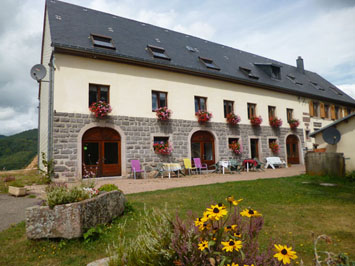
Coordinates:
[172,167]
[224,165]
[249,161]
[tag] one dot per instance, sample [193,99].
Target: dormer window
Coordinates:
[292,78]
[247,72]
[102,41]
[209,63]
[158,52]
[336,91]
[316,85]
[275,72]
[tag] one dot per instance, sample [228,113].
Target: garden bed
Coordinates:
[71,220]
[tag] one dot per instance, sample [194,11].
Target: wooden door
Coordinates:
[202,146]
[292,150]
[254,148]
[101,152]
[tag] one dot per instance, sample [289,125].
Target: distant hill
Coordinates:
[18,150]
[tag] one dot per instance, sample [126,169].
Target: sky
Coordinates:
[321,31]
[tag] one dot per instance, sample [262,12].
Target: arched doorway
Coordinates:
[292,147]
[101,152]
[202,146]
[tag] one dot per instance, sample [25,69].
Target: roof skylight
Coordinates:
[209,63]
[293,79]
[248,73]
[316,85]
[158,52]
[102,41]
[336,91]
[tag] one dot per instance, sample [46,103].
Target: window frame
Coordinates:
[289,114]
[249,106]
[316,107]
[158,52]
[326,111]
[270,109]
[98,93]
[208,63]
[165,139]
[110,41]
[275,72]
[158,99]
[199,103]
[226,105]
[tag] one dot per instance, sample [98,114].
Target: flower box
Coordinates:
[100,109]
[275,148]
[17,191]
[294,123]
[256,120]
[163,113]
[233,119]
[163,148]
[235,147]
[275,122]
[203,116]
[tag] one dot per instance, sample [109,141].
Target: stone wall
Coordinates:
[72,220]
[138,138]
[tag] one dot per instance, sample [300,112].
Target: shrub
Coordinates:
[108,187]
[152,245]
[58,194]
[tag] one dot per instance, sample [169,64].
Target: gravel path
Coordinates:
[12,209]
[129,186]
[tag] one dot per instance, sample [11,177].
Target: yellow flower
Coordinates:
[250,213]
[233,264]
[198,222]
[203,245]
[230,228]
[231,199]
[216,212]
[231,245]
[284,254]
[205,226]
[237,235]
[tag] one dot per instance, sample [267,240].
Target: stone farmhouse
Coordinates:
[137,67]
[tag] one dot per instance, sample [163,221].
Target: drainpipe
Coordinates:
[50,109]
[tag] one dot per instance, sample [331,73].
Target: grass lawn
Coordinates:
[292,210]
[20,177]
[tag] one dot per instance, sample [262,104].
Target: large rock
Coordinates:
[72,220]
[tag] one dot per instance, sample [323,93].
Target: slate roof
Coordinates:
[313,134]
[71,26]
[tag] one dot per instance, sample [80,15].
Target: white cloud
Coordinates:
[349,89]
[13,122]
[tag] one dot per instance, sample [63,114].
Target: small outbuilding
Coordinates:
[345,128]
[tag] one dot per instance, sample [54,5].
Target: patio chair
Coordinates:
[188,166]
[199,165]
[236,165]
[136,168]
[259,166]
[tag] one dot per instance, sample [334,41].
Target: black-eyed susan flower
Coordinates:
[230,228]
[231,245]
[205,226]
[203,245]
[285,254]
[216,212]
[250,213]
[236,202]
[233,201]
[237,234]
[233,264]
[198,222]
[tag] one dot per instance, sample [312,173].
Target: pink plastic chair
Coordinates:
[136,168]
[199,166]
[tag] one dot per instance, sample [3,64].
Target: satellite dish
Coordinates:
[38,72]
[331,135]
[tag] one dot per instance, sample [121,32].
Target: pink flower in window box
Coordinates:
[235,147]
[163,113]
[100,109]
[275,122]
[274,146]
[294,123]
[256,120]
[203,116]
[163,148]
[233,119]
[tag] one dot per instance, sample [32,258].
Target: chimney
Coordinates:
[300,65]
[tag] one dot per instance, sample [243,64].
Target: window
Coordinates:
[275,72]
[272,112]
[251,110]
[307,135]
[289,113]
[159,99]
[230,140]
[200,104]
[98,93]
[158,52]
[316,85]
[209,63]
[247,72]
[272,140]
[315,109]
[160,140]
[336,91]
[348,111]
[228,107]
[102,41]
[337,112]
[326,110]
